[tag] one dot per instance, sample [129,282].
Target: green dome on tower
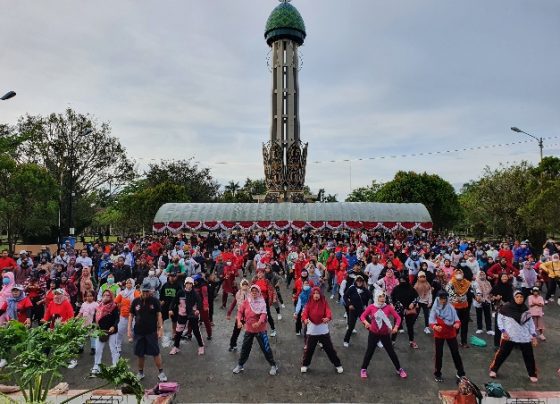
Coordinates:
[285,22]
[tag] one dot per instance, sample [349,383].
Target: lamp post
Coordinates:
[8,95]
[72,159]
[538,139]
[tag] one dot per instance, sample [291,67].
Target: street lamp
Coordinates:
[538,139]
[8,95]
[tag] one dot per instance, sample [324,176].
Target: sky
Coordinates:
[189,79]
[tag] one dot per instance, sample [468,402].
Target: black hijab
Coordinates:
[519,312]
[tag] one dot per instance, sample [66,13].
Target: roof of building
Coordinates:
[285,21]
[211,216]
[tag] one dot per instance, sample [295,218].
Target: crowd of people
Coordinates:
[384,280]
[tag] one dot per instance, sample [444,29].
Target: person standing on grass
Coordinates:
[145,312]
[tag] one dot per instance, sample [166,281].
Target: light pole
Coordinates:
[538,139]
[71,181]
[8,95]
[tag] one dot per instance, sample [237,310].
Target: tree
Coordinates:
[28,199]
[497,197]
[322,197]
[197,182]
[364,194]
[79,152]
[232,187]
[434,192]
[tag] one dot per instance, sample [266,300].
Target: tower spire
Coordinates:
[285,156]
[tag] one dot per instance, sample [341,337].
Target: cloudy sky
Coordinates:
[184,78]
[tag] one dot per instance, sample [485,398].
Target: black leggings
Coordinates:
[385,339]
[310,345]
[463,315]
[424,308]
[454,348]
[182,324]
[487,311]
[234,336]
[269,315]
[410,320]
[353,316]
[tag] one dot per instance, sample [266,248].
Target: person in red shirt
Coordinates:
[18,307]
[498,268]
[332,266]
[505,252]
[228,283]
[269,294]
[7,262]
[445,323]
[59,309]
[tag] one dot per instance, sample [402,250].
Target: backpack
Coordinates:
[496,390]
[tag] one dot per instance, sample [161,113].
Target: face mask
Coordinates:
[459,277]
[110,281]
[306,287]
[228,263]
[5,281]
[151,273]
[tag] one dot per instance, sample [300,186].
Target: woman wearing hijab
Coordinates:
[502,293]
[85,277]
[445,323]
[380,330]
[316,316]
[483,303]
[518,331]
[185,308]
[424,290]
[59,309]
[18,306]
[252,313]
[301,303]
[123,301]
[241,295]
[527,278]
[459,290]
[107,319]
[405,300]
[7,284]
[388,282]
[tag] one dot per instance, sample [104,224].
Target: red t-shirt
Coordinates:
[22,308]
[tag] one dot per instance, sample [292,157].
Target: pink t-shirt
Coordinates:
[536,311]
[88,311]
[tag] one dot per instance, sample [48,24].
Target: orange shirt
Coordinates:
[124,303]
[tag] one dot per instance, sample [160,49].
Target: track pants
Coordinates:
[454,348]
[385,339]
[264,343]
[310,345]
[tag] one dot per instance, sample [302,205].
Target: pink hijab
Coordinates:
[258,305]
[6,291]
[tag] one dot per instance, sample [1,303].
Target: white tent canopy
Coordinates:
[368,215]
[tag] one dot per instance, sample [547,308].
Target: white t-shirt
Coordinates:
[373,271]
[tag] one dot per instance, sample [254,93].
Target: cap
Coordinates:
[421,273]
[189,280]
[518,292]
[146,287]
[536,289]
[22,252]
[18,287]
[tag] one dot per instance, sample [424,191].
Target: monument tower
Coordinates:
[285,155]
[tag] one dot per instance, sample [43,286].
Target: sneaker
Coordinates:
[174,351]
[558,301]
[492,374]
[345,315]
[533,379]
[303,369]
[332,297]
[238,369]
[273,333]
[379,344]
[346,344]
[94,372]
[72,364]
[140,375]
[542,337]
[363,374]
[298,333]
[92,351]
[479,331]
[279,316]
[551,299]
[401,331]
[339,369]
[490,332]
[438,379]
[232,348]
[273,370]
[209,338]
[354,331]
[413,345]
[162,377]
[283,305]
[402,374]
[201,350]
[427,330]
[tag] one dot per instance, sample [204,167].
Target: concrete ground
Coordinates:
[209,378]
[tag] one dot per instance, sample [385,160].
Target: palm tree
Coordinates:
[232,188]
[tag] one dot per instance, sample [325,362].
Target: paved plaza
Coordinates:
[210,378]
